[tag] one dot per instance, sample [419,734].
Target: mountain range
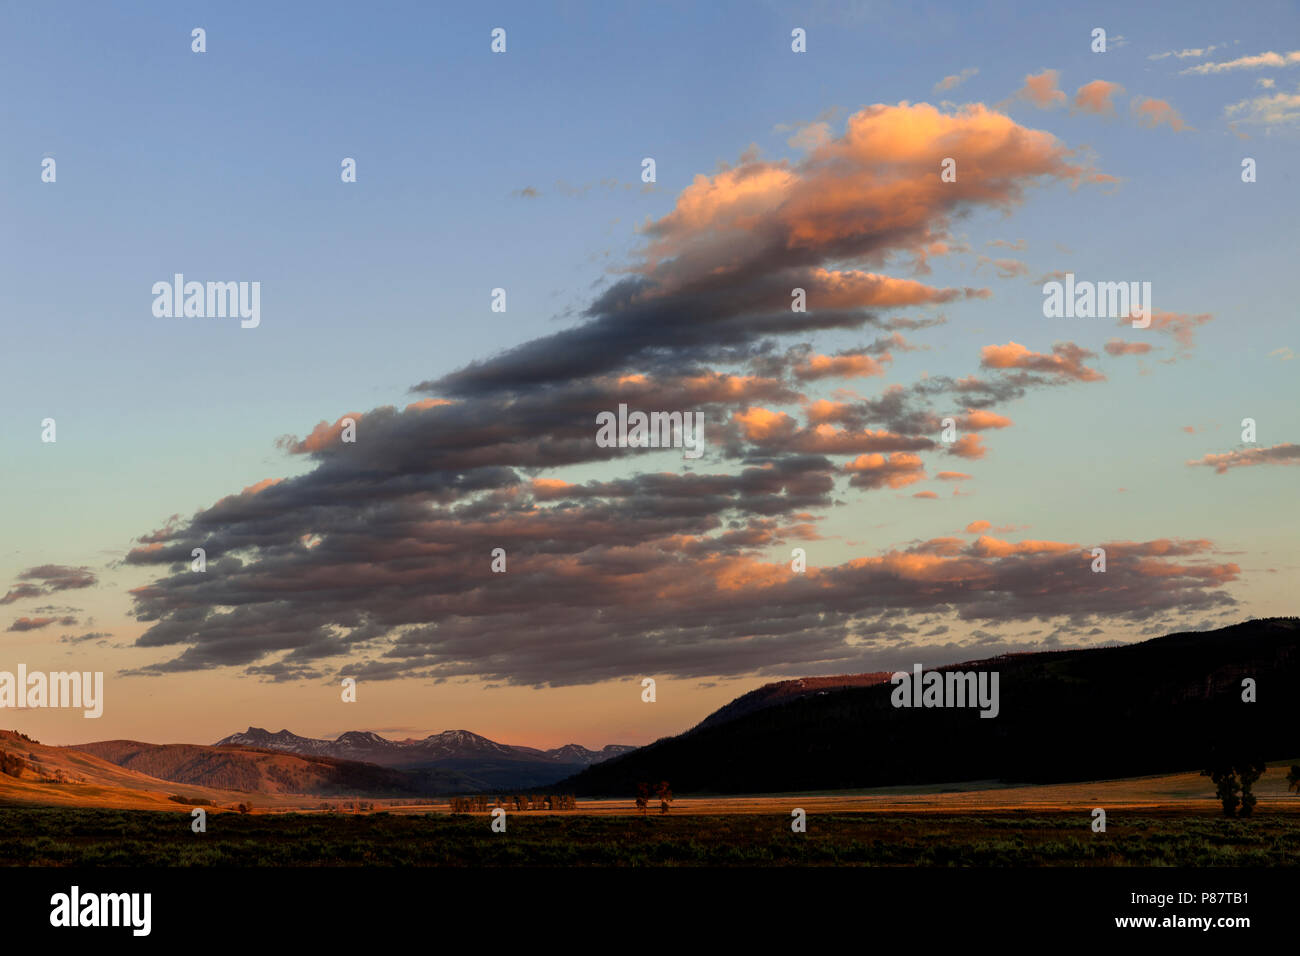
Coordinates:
[267,772]
[478,763]
[1167,705]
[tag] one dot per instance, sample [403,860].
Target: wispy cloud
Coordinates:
[1191,53]
[1278,110]
[955,80]
[1152,113]
[1255,62]
[1283,454]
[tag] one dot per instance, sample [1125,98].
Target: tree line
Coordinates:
[481,804]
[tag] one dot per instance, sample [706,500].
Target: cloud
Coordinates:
[20,591]
[975,527]
[1284,454]
[47,579]
[978,419]
[1120,347]
[1041,90]
[760,423]
[877,471]
[1184,54]
[1006,268]
[376,554]
[1279,109]
[1066,360]
[36,623]
[82,638]
[955,80]
[716,271]
[58,577]
[1284,353]
[1258,61]
[1097,97]
[968,446]
[811,137]
[1180,326]
[1151,113]
[844,365]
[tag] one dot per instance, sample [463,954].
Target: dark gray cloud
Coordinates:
[46,579]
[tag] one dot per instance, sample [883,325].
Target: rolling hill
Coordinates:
[271,772]
[1155,707]
[33,774]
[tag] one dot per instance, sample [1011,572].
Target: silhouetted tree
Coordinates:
[665,795]
[1293,778]
[1226,787]
[1233,781]
[642,797]
[1249,771]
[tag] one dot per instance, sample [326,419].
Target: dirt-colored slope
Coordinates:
[251,770]
[34,774]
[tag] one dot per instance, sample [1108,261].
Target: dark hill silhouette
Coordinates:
[1154,707]
[782,692]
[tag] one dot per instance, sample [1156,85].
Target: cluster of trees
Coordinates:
[12,765]
[479,804]
[663,793]
[1233,780]
[355,806]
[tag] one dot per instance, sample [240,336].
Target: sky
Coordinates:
[475,429]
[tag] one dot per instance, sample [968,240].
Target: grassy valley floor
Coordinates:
[95,837]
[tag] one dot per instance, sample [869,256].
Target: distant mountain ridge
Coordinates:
[485,762]
[267,771]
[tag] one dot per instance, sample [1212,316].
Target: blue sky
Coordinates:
[225,165]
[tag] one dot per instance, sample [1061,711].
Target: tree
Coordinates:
[1234,780]
[12,765]
[665,795]
[1249,771]
[642,797]
[1293,778]
[1226,787]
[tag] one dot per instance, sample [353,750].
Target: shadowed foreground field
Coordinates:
[65,837]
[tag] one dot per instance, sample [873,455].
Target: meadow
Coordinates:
[52,837]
